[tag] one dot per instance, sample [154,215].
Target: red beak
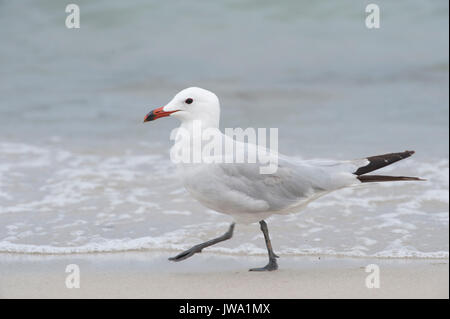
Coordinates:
[156,114]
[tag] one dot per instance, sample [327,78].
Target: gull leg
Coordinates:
[198,248]
[272,265]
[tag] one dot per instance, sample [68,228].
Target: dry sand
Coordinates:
[151,275]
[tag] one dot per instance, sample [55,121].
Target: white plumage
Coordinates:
[240,189]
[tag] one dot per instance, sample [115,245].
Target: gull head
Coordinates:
[189,105]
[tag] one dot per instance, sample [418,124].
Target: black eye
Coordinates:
[189,101]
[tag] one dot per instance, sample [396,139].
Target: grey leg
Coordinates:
[272,265]
[198,248]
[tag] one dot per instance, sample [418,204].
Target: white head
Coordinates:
[191,104]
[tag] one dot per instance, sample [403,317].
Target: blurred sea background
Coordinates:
[79,172]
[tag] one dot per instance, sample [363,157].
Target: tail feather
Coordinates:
[383,178]
[379,161]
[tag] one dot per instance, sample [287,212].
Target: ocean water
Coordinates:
[80,173]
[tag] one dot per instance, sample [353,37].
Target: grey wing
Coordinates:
[242,188]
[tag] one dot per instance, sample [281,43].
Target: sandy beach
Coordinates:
[150,275]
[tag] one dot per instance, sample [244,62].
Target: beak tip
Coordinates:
[149,117]
[156,114]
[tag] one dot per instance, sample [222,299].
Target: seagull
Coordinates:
[242,191]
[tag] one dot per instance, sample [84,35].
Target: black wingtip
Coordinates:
[384,178]
[379,161]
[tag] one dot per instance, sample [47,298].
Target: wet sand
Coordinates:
[151,275]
